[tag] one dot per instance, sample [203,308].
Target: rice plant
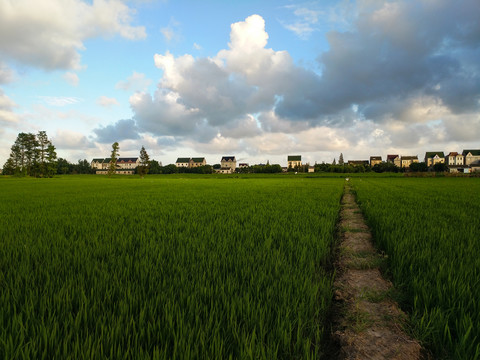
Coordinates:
[430,230]
[166,268]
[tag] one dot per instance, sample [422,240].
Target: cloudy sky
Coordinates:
[255,79]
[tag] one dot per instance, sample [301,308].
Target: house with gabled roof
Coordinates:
[183,162]
[406,161]
[454,158]
[394,159]
[471,156]
[197,161]
[374,160]
[294,161]
[434,157]
[229,162]
[123,166]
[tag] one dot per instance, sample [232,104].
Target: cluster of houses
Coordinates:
[465,162]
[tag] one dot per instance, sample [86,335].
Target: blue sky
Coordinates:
[255,79]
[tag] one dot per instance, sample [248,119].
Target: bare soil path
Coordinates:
[368,322]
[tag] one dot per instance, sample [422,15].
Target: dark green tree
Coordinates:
[155,167]
[418,167]
[440,167]
[340,159]
[144,166]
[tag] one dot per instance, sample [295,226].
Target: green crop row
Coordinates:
[430,230]
[175,268]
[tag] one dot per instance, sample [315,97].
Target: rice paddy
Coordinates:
[430,230]
[223,267]
[193,267]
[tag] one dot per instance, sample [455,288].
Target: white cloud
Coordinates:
[197,46]
[68,139]
[59,100]
[49,34]
[106,101]
[136,82]
[305,22]
[71,78]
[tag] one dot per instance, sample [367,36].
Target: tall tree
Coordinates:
[113,159]
[43,143]
[144,166]
[50,161]
[340,160]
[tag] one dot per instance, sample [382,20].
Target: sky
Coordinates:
[259,80]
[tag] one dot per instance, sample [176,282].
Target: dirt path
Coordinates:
[368,322]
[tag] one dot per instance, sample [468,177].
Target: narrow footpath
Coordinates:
[368,323]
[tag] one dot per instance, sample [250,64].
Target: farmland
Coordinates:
[430,231]
[164,267]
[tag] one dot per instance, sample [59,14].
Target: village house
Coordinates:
[454,158]
[294,161]
[374,160]
[224,170]
[123,166]
[243,165]
[229,162]
[197,162]
[471,157]
[394,159]
[183,162]
[190,162]
[406,161]
[434,157]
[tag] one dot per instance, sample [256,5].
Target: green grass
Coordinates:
[166,267]
[430,230]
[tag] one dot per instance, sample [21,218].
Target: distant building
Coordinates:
[471,156]
[311,169]
[183,162]
[123,166]
[406,161]
[434,157]
[190,162]
[374,160]
[454,158]
[224,170]
[394,159]
[294,160]
[243,165]
[229,162]
[196,162]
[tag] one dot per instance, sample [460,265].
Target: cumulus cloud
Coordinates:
[68,139]
[121,130]
[106,101]
[71,78]
[135,82]
[49,34]
[401,73]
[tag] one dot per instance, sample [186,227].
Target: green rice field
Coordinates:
[430,230]
[223,267]
[166,267]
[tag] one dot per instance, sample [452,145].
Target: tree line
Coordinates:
[32,155]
